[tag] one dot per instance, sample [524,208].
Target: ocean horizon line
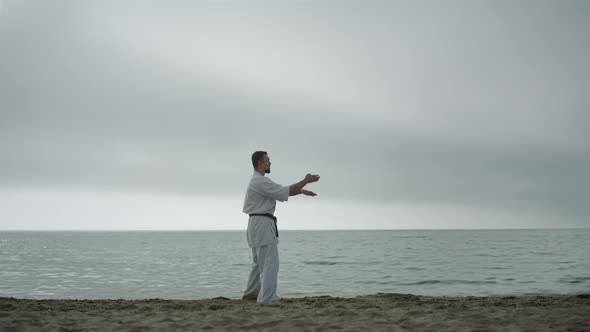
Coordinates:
[293,230]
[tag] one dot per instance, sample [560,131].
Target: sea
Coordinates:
[207,264]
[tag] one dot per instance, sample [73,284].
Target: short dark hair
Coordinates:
[256,156]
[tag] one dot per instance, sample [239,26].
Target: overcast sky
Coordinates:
[416,114]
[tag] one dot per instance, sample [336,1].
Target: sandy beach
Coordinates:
[385,312]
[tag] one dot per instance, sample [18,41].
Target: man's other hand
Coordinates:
[311,178]
[308,192]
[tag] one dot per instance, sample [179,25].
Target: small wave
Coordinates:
[448,282]
[411,268]
[319,263]
[373,282]
[574,280]
[339,263]
[423,282]
[410,237]
[491,255]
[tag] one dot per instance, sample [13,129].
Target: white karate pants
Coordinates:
[262,282]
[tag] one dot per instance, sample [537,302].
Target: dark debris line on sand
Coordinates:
[10,303]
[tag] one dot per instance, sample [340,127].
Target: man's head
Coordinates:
[261,162]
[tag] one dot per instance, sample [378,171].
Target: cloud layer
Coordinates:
[477,105]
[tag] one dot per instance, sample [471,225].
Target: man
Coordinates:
[259,204]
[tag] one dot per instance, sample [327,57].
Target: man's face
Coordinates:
[265,163]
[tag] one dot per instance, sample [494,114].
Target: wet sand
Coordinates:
[385,312]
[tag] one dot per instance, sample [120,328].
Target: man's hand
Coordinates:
[308,192]
[311,178]
[296,189]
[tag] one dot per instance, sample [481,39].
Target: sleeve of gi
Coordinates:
[267,187]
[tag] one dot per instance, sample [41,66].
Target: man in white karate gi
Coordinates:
[262,234]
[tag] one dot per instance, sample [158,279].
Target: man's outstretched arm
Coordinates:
[296,189]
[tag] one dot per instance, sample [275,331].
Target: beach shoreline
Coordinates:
[382,312]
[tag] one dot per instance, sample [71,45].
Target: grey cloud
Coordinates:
[501,125]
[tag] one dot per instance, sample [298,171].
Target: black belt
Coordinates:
[269,216]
